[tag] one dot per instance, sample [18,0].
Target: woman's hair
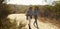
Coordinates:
[30,7]
[36,8]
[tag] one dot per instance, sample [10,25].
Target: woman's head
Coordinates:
[36,8]
[30,8]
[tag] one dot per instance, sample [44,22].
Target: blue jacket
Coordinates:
[36,12]
[30,12]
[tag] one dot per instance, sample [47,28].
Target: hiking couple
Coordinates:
[31,13]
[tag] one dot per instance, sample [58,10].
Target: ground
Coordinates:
[43,23]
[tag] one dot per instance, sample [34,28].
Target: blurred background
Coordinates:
[48,9]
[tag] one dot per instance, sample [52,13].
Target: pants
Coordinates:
[29,17]
[35,22]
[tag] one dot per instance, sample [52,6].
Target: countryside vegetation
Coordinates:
[5,10]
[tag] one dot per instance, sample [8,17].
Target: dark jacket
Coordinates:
[36,12]
[29,12]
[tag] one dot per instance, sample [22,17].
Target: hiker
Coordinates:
[35,13]
[29,16]
[29,13]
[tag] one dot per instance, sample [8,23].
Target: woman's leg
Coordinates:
[36,17]
[34,21]
[30,17]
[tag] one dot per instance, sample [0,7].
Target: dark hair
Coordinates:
[36,8]
[30,7]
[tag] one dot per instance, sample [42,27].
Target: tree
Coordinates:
[4,12]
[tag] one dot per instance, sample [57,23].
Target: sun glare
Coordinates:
[27,2]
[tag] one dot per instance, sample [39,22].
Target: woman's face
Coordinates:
[30,8]
[36,8]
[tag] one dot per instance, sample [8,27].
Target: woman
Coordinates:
[36,12]
[29,13]
[29,16]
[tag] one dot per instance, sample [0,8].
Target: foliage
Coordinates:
[5,10]
[4,22]
[22,25]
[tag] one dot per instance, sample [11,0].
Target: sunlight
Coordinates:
[27,2]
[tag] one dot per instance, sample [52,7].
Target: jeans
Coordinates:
[35,22]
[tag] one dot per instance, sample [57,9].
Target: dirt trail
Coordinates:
[41,24]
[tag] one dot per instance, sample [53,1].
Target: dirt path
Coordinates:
[41,24]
